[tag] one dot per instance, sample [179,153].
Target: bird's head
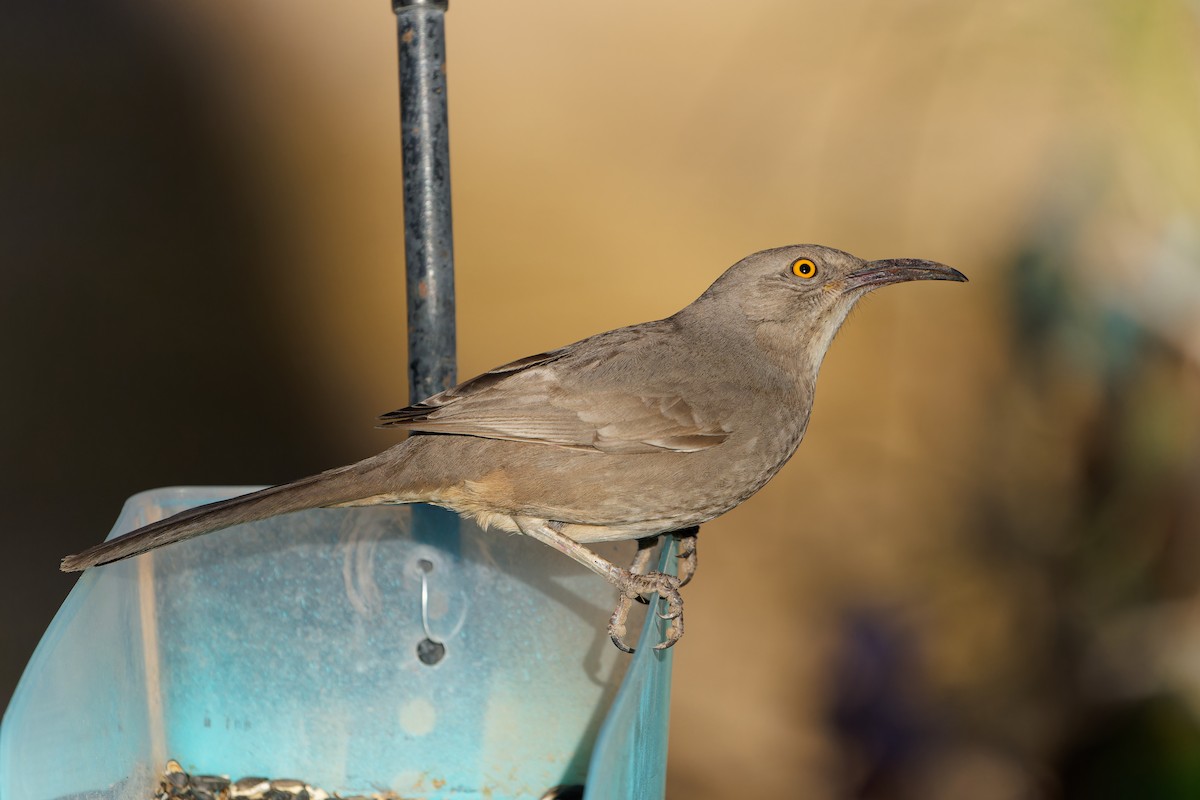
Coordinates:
[795,298]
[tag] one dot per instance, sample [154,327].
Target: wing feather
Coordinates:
[533,400]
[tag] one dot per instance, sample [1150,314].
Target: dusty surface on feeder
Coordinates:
[176,784]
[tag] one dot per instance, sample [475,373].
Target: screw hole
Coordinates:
[430,652]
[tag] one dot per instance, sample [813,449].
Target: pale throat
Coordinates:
[798,346]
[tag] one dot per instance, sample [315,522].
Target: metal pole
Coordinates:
[428,236]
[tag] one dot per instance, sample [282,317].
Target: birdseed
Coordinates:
[176,784]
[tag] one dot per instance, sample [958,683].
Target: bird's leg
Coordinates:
[687,553]
[629,583]
[641,561]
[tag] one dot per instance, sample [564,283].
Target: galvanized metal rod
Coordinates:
[428,234]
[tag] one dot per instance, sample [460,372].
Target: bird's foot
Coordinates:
[632,585]
[687,554]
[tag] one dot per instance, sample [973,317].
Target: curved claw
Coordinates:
[674,607]
[620,644]
[687,556]
[674,633]
[670,642]
[616,624]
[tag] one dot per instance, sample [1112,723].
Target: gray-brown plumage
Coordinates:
[636,432]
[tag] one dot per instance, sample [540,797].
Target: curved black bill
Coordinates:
[898,270]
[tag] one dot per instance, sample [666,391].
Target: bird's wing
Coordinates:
[529,401]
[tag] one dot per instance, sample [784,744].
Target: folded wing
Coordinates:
[528,401]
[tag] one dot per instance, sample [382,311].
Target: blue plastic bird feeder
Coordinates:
[344,648]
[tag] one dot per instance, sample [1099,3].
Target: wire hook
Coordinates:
[429,650]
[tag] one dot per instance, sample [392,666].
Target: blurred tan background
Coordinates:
[978,577]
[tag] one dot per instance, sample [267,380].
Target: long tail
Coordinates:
[337,486]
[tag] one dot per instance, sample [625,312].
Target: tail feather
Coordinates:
[342,485]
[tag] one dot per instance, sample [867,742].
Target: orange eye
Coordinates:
[803,268]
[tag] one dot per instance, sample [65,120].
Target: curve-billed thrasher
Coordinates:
[628,434]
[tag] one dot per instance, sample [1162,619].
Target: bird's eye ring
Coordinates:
[804,268]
